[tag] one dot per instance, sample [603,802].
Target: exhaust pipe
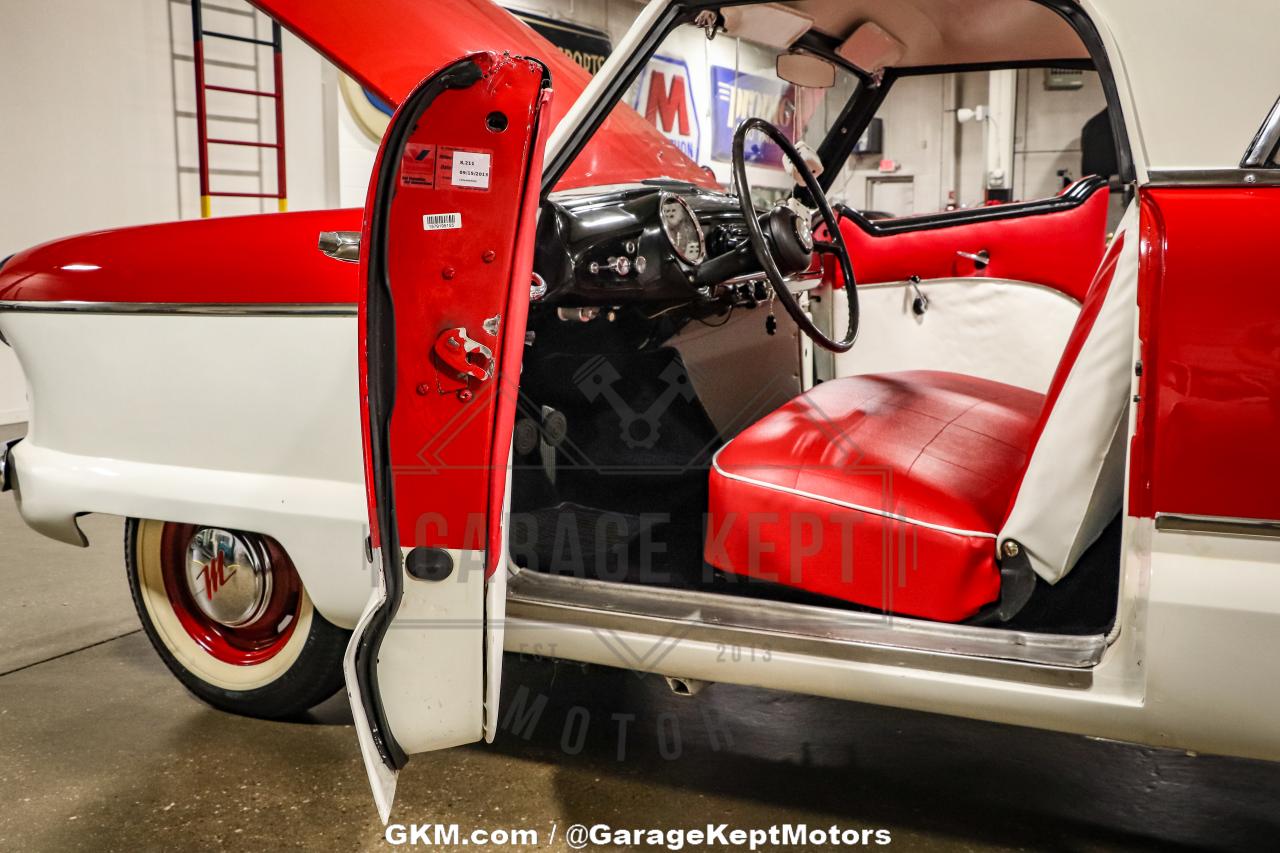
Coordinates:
[685,686]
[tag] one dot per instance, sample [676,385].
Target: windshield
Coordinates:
[696,92]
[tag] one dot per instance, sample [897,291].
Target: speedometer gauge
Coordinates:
[682,229]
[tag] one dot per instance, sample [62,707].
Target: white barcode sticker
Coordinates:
[441,221]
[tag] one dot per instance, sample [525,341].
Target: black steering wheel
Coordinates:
[783,220]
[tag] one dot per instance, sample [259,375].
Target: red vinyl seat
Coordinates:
[898,490]
[885,490]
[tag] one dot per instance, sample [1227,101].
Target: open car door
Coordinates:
[446,264]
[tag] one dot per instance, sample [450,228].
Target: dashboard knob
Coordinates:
[620,265]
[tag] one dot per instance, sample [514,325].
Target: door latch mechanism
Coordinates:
[920,302]
[981,258]
[460,361]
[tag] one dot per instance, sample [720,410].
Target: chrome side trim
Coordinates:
[1214,178]
[1217,525]
[842,635]
[1263,148]
[218,309]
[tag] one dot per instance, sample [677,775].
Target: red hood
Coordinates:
[392,45]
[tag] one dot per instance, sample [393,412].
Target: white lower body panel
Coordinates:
[248,422]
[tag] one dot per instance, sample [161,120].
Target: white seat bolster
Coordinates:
[1074,482]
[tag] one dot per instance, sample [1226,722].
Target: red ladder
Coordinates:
[198,34]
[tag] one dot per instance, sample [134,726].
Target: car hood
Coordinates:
[390,46]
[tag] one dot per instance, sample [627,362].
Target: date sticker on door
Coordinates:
[468,170]
[441,221]
[418,165]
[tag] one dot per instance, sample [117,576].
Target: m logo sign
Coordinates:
[665,97]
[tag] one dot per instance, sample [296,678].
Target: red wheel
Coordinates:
[228,613]
[237,595]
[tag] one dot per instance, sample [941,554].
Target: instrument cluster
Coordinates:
[633,243]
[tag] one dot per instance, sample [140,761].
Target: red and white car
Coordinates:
[575,397]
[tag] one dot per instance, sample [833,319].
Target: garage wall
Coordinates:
[97,127]
[1048,125]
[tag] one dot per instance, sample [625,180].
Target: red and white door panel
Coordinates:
[448,239]
[990,292]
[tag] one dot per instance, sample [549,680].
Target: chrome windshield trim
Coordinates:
[1264,146]
[1047,659]
[216,309]
[1217,525]
[1214,177]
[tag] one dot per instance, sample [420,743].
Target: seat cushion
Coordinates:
[885,490]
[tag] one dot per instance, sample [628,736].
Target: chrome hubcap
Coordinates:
[229,576]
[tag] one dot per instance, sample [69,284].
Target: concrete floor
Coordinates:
[101,749]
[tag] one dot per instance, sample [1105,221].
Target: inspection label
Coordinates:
[465,169]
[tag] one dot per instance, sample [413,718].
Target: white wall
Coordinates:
[1048,131]
[946,161]
[913,130]
[93,133]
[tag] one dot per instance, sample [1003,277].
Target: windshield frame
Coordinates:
[658,19]
[641,42]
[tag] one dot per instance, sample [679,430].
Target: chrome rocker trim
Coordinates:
[1217,525]
[839,635]
[216,309]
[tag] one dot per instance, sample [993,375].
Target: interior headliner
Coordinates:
[953,32]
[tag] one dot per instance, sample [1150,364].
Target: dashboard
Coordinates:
[646,242]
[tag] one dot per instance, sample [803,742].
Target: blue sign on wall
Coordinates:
[738,96]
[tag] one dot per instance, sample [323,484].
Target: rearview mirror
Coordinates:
[805,69]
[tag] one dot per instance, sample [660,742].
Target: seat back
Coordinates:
[1073,483]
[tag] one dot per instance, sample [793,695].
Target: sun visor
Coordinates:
[871,48]
[772,26]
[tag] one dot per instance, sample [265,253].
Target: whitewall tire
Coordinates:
[228,614]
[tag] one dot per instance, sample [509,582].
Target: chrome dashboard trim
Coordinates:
[1214,178]
[1217,525]
[216,309]
[1266,144]
[841,635]
[799,281]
